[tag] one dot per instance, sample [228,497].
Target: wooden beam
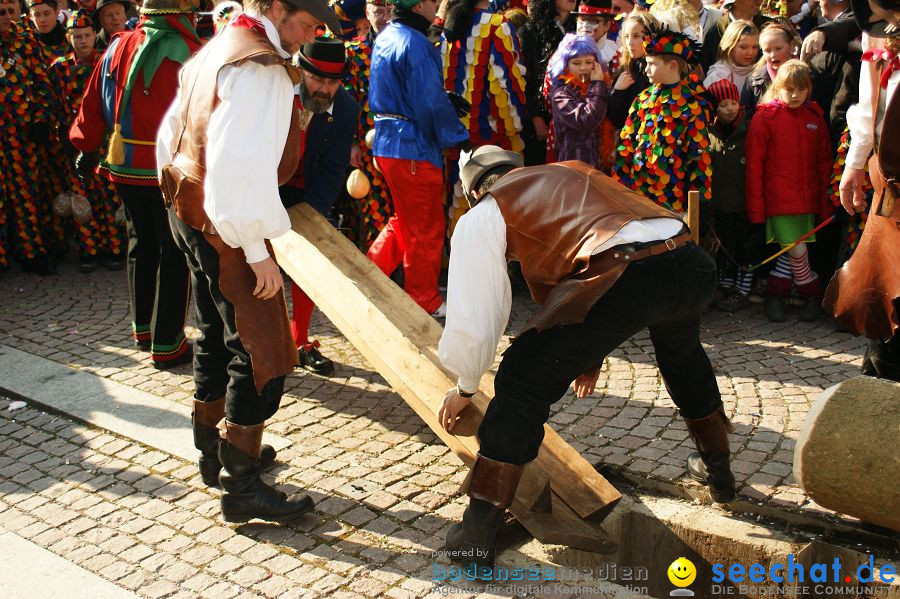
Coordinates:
[400,341]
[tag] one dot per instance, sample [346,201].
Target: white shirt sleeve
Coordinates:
[166,134]
[859,119]
[245,140]
[479,296]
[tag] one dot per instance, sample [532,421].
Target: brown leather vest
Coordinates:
[262,324]
[556,216]
[182,180]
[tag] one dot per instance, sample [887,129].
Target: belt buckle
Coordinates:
[670,244]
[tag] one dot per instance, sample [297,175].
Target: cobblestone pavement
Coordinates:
[383,482]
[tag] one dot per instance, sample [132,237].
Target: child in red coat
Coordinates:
[788,157]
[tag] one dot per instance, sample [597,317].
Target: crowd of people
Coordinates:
[568,137]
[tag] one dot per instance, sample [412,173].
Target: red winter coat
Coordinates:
[789,162]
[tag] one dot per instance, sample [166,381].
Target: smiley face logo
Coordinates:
[682,572]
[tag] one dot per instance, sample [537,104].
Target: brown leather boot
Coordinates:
[245,494]
[491,488]
[204,418]
[711,465]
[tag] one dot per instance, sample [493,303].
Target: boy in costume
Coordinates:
[664,146]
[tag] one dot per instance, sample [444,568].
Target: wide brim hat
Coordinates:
[95,15]
[318,9]
[595,8]
[862,12]
[474,166]
[325,57]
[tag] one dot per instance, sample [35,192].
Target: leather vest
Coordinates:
[262,324]
[182,180]
[556,216]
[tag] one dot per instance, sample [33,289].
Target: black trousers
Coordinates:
[222,366]
[158,279]
[666,294]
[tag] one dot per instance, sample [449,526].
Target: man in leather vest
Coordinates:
[603,263]
[231,136]
[864,295]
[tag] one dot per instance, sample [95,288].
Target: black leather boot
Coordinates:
[712,465]
[491,488]
[205,417]
[245,494]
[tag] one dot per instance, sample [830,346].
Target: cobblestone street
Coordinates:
[384,485]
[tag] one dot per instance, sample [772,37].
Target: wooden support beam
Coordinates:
[400,341]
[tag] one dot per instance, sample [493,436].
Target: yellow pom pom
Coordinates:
[358,184]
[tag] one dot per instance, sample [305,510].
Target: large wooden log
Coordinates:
[400,341]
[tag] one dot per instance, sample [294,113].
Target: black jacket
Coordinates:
[620,100]
[327,155]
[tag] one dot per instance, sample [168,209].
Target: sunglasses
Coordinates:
[7,11]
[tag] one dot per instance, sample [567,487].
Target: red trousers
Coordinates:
[301,312]
[414,235]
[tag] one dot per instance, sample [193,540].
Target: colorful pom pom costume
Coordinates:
[663,149]
[483,66]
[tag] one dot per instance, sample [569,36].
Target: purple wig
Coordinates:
[571,46]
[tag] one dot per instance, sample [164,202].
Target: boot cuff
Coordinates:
[248,439]
[710,433]
[493,481]
[209,413]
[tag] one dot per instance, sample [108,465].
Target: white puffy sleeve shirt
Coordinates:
[860,117]
[245,140]
[479,296]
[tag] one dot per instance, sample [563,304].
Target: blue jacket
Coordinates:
[406,80]
[326,156]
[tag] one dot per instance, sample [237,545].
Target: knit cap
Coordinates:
[723,89]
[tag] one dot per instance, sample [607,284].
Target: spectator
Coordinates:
[478,39]
[593,19]
[109,18]
[738,54]
[630,79]
[740,242]
[779,43]
[578,97]
[788,167]
[100,238]
[44,15]
[550,20]
[663,152]
[743,10]
[835,71]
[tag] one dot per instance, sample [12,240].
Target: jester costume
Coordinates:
[128,94]
[855,224]
[482,65]
[664,145]
[100,234]
[25,114]
[366,217]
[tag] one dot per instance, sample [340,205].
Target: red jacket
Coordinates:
[789,161]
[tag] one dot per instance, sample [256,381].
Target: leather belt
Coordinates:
[632,252]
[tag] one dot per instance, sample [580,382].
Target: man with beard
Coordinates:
[320,176]
[230,138]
